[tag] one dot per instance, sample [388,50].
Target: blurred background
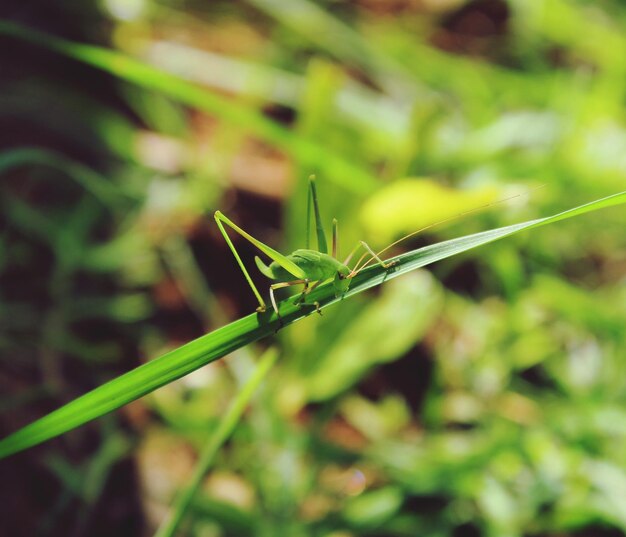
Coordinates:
[484,396]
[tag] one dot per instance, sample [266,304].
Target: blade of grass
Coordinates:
[108,193]
[307,152]
[354,102]
[210,347]
[217,438]
[306,18]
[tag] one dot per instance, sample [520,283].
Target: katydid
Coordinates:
[306,267]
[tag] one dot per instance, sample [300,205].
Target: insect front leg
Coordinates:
[374,255]
[282,285]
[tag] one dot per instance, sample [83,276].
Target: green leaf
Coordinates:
[208,348]
[373,508]
[413,203]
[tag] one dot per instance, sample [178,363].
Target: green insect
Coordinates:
[306,267]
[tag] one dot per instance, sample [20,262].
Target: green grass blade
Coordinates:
[306,18]
[217,438]
[206,349]
[309,154]
[108,193]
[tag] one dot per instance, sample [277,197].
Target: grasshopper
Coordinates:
[306,267]
[311,268]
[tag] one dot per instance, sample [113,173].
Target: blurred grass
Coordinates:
[483,398]
[247,119]
[170,526]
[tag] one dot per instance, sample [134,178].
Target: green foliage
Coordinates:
[484,397]
[218,437]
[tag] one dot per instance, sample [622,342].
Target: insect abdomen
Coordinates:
[315,265]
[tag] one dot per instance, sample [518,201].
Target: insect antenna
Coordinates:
[358,269]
